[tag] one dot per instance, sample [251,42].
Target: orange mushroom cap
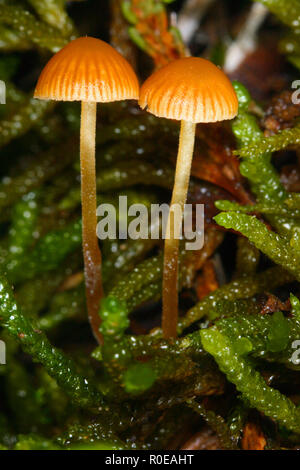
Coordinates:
[87,69]
[190,89]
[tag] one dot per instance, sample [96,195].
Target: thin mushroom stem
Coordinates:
[170,269]
[91,250]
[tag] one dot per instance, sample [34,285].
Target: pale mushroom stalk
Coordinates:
[2,92]
[246,40]
[91,251]
[190,17]
[171,252]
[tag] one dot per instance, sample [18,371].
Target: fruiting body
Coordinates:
[191,90]
[87,69]
[90,71]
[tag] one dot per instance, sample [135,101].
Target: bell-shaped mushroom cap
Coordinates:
[190,89]
[87,69]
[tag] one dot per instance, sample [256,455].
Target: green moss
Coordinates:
[29,28]
[138,378]
[139,390]
[249,382]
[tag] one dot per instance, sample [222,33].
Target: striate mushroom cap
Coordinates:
[190,89]
[87,69]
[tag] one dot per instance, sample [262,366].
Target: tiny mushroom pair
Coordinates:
[191,90]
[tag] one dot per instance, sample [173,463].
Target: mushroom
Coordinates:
[88,70]
[191,90]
